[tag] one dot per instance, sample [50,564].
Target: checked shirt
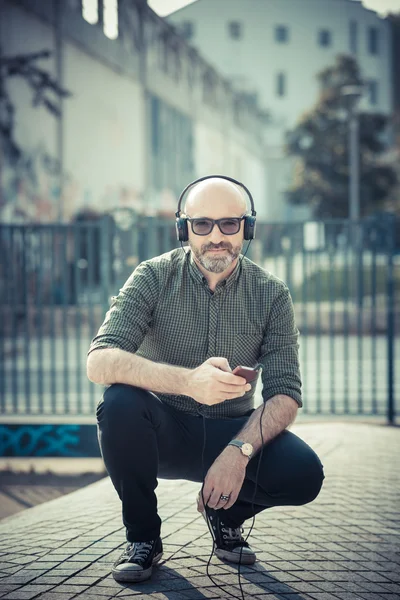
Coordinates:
[166,313]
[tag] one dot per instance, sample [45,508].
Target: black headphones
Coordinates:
[181,223]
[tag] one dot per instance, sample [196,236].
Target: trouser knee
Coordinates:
[121,404]
[313,479]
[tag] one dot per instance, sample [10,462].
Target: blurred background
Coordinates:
[109,108]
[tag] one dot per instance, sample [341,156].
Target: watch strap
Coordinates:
[239,444]
[236,443]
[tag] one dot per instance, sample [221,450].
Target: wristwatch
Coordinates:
[245,448]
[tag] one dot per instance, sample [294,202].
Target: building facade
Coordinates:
[274,49]
[145,114]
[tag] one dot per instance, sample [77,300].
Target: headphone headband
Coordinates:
[253,212]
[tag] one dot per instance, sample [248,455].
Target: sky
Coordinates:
[164,7]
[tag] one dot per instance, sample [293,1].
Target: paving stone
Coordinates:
[5,588]
[392,576]
[66,588]
[348,596]
[306,586]
[393,588]
[205,592]
[307,575]
[373,596]
[323,596]
[63,572]
[342,546]
[78,580]
[27,592]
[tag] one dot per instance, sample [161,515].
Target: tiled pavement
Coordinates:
[344,545]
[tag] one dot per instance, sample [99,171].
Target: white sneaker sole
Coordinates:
[228,556]
[136,575]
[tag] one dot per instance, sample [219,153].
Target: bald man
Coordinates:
[173,408]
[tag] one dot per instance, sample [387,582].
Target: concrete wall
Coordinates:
[103,129]
[218,154]
[104,142]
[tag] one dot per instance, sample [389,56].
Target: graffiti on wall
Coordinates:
[30,190]
[35,192]
[49,440]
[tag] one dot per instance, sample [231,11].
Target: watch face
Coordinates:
[247,449]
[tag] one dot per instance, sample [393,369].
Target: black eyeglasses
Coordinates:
[227,226]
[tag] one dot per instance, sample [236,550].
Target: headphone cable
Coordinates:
[254,492]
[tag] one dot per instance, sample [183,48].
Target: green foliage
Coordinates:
[320,141]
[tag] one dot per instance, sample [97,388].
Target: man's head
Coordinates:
[215,199]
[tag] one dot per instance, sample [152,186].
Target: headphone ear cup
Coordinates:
[249,232]
[181,227]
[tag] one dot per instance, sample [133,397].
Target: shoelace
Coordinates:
[234,535]
[138,551]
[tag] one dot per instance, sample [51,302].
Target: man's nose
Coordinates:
[216,236]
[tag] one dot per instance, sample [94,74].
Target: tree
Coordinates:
[46,92]
[320,141]
[393,201]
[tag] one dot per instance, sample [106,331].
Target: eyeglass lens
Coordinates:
[227,226]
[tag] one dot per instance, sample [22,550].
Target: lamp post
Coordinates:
[352,95]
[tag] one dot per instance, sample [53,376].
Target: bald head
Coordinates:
[213,196]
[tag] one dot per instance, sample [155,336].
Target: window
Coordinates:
[373,40]
[235,30]
[373,92]
[353,37]
[187,30]
[111,19]
[281,84]
[281,34]
[90,11]
[324,38]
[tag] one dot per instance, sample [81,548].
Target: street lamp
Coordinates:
[352,95]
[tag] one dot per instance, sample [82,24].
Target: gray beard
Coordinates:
[216,264]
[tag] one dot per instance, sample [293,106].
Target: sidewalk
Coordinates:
[345,545]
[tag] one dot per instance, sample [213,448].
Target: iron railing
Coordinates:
[56,282]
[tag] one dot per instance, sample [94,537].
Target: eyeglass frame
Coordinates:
[215,222]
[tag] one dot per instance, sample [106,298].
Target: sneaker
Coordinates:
[229,542]
[137,560]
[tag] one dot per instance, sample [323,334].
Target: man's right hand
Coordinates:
[213,382]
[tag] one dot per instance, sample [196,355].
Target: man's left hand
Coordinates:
[224,478]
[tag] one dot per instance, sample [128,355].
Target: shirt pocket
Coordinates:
[246,349]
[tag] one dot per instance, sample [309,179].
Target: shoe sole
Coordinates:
[225,555]
[136,576]
[234,557]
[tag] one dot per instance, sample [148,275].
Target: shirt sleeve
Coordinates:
[279,351]
[130,315]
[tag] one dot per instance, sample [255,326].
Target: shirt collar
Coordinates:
[198,275]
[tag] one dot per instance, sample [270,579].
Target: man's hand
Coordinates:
[224,478]
[213,382]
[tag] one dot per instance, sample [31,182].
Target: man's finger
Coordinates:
[230,378]
[231,501]
[215,498]
[222,503]
[205,493]
[200,505]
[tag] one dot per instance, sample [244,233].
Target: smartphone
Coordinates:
[248,373]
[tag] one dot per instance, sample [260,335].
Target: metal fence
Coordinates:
[56,282]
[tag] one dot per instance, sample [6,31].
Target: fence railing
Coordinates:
[56,282]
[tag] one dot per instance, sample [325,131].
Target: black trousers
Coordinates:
[142,438]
